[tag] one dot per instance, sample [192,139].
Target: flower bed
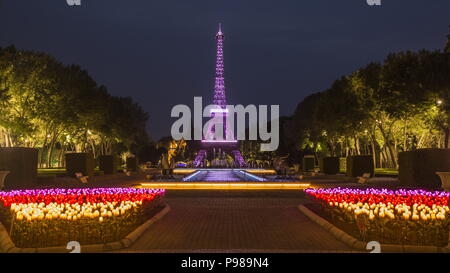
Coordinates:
[413,217]
[53,217]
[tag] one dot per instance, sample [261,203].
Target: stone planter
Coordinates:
[445,179]
[22,163]
[3,175]
[308,163]
[418,168]
[108,164]
[132,164]
[358,165]
[79,163]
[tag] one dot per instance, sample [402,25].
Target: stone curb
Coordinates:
[359,245]
[8,246]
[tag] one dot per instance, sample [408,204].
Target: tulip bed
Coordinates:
[54,217]
[413,217]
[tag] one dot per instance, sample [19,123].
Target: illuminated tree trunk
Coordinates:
[388,144]
[50,153]
[372,145]
[10,141]
[61,156]
[332,147]
[358,151]
[382,158]
[405,135]
[446,138]
[94,151]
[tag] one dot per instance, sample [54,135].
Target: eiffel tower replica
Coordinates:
[214,148]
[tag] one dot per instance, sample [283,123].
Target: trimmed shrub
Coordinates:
[308,163]
[22,164]
[132,164]
[108,164]
[418,168]
[79,163]
[357,165]
[329,165]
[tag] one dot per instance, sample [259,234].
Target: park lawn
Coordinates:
[381,171]
[52,171]
[386,171]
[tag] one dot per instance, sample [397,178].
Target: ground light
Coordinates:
[256,171]
[224,186]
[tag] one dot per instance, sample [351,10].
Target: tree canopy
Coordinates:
[59,108]
[381,109]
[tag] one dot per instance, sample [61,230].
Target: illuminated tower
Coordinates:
[212,147]
[219,98]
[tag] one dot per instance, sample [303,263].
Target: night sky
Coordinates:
[162,53]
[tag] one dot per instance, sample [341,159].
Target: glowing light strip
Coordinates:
[186,171]
[261,171]
[191,175]
[256,171]
[237,186]
[252,176]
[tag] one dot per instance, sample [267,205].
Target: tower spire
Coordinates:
[219,86]
[219,32]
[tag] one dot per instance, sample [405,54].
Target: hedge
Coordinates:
[418,168]
[79,163]
[22,163]
[329,165]
[357,165]
[308,163]
[132,163]
[108,164]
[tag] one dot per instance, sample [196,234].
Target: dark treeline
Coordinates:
[381,109]
[58,108]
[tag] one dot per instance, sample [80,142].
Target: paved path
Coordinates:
[235,224]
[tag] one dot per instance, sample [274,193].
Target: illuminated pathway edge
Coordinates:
[225,185]
[224,179]
[191,170]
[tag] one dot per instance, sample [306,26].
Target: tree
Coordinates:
[24,77]
[53,107]
[380,109]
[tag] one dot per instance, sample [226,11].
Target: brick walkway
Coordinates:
[235,224]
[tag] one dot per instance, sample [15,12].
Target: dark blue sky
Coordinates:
[276,52]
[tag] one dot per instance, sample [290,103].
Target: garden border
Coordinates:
[360,245]
[7,245]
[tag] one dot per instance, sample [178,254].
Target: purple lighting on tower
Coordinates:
[219,87]
[219,93]
[219,145]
